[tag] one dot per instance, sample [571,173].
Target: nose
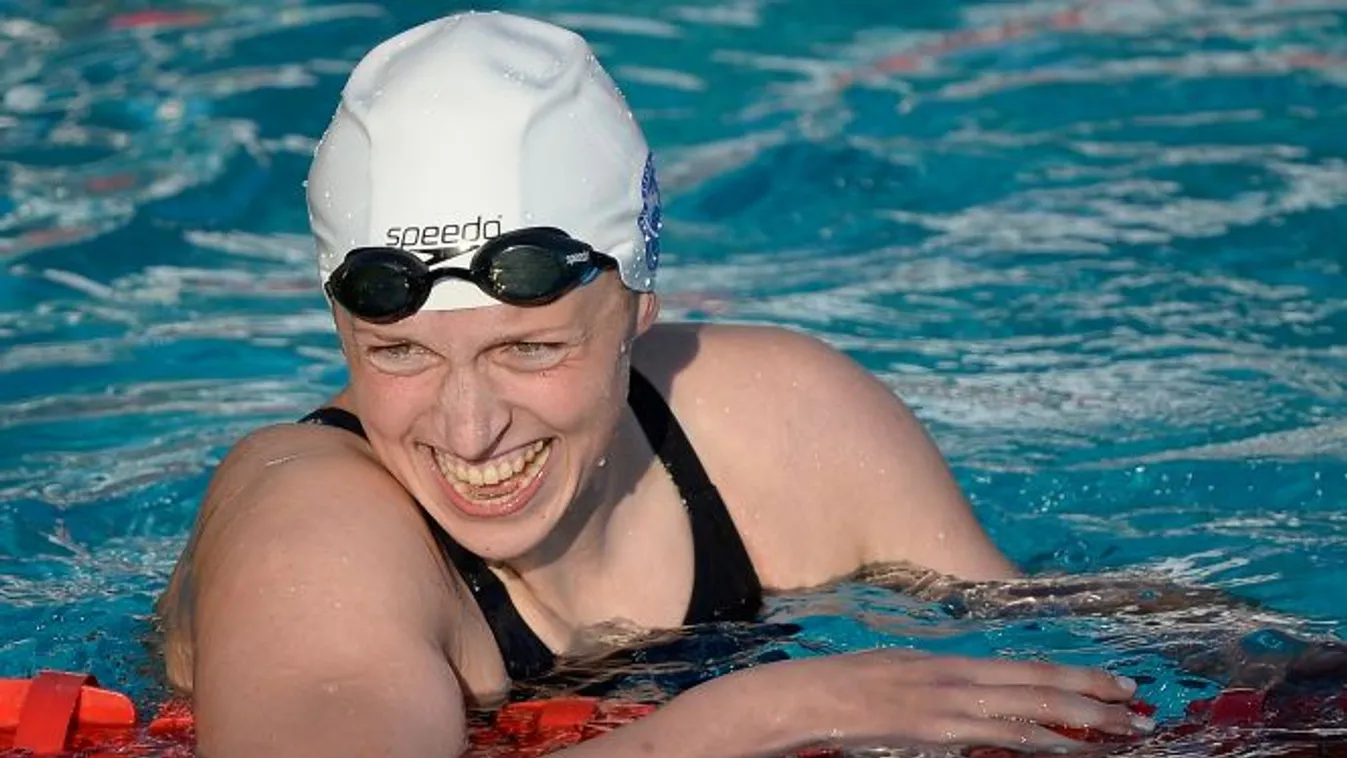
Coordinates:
[474,413]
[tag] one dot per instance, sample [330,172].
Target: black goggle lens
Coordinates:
[380,286]
[529,274]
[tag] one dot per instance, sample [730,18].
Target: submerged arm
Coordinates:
[1208,631]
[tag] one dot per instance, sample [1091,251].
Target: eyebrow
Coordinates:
[568,332]
[376,331]
[542,333]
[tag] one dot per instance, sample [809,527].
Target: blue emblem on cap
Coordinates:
[652,217]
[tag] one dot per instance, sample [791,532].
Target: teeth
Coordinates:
[462,476]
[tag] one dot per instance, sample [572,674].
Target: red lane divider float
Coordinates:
[61,713]
[159,19]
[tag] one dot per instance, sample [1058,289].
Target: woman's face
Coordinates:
[495,418]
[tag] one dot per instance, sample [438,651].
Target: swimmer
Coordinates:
[523,454]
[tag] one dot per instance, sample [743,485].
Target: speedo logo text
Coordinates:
[477,230]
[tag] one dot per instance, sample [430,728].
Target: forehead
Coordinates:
[587,308]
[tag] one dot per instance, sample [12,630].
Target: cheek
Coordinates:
[388,407]
[575,402]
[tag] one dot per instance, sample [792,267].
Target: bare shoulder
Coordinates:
[737,358]
[763,384]
[303,530]
[293,480]
[824,467]
[287,470]
[759,404]
[296,480]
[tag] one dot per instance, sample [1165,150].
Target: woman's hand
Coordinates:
[900,697]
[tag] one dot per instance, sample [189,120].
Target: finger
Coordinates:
[1095,683]
[1022,736]
[1053,708]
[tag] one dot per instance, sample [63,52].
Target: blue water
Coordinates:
[1098,247]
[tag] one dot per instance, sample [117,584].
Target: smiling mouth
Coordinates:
[497,481]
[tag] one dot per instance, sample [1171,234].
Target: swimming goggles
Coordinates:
[525,267]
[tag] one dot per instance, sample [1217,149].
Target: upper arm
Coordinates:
[847,460]
[317,611]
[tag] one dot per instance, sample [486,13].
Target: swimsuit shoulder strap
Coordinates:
[526,656]
[725,585]
[338,417]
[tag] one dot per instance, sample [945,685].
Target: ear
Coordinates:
[647,310]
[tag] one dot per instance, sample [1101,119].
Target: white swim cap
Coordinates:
[475,124]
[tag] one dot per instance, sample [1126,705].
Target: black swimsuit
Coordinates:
[725,587]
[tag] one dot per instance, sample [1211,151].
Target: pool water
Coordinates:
[1097,246]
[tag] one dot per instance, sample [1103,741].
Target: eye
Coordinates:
[393,352]
[400,357]
[535,354]
[534,349]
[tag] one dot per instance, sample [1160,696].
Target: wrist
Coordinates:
[750,713]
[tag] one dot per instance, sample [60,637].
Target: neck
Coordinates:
[567,571]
